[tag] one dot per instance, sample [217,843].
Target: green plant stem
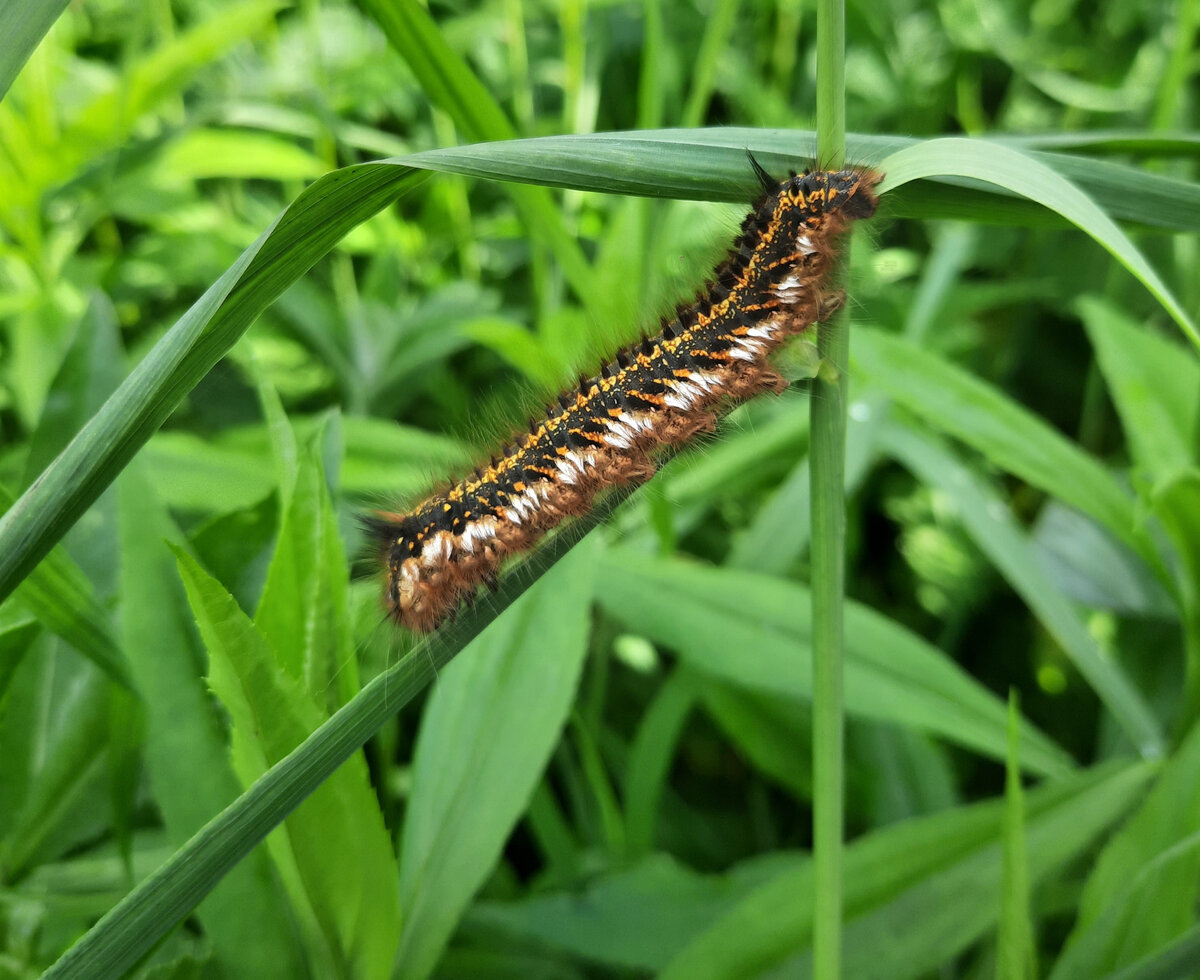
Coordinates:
[828,465]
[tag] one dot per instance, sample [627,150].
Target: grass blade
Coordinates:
[23,23]
[1024,175]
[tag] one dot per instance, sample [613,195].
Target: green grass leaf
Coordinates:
[754,631]
[654,746]
[991,525]
[635,918]
[915,892]
[1154,383]
[1142,891]
[23,23]
[949,399]
[1024,175]
[485,738]
[1015,949]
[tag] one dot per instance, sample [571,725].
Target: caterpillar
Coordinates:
[709,356]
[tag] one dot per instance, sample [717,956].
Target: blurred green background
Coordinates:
[619,784]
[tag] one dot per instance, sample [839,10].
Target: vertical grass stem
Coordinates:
[828,463]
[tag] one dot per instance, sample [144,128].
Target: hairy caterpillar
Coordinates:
[712,354]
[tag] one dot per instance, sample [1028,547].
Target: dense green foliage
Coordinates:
[614,779]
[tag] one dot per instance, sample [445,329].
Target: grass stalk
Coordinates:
[828,464]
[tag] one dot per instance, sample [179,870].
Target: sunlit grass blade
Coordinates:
[1024,175]
[23,23]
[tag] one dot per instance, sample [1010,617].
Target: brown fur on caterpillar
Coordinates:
[709,356]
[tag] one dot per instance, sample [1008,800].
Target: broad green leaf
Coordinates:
[994,530]
[1024,175]
[915,892]
[754,631]
[485,738]
[335,854]
[1141,893]
[710,164]
[185,749]
[636,918]
[1155,385]
[1009,435]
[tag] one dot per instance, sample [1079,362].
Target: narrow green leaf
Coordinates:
[59,594]
[712,617]
[916,892]
[22,25]
[335,848]
[1015,950]
[987,519]
[953,401]
[654,746]
[1024,175]
[634,918]
[205,153]
[485,739]
[1116,926]
[1155,385]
